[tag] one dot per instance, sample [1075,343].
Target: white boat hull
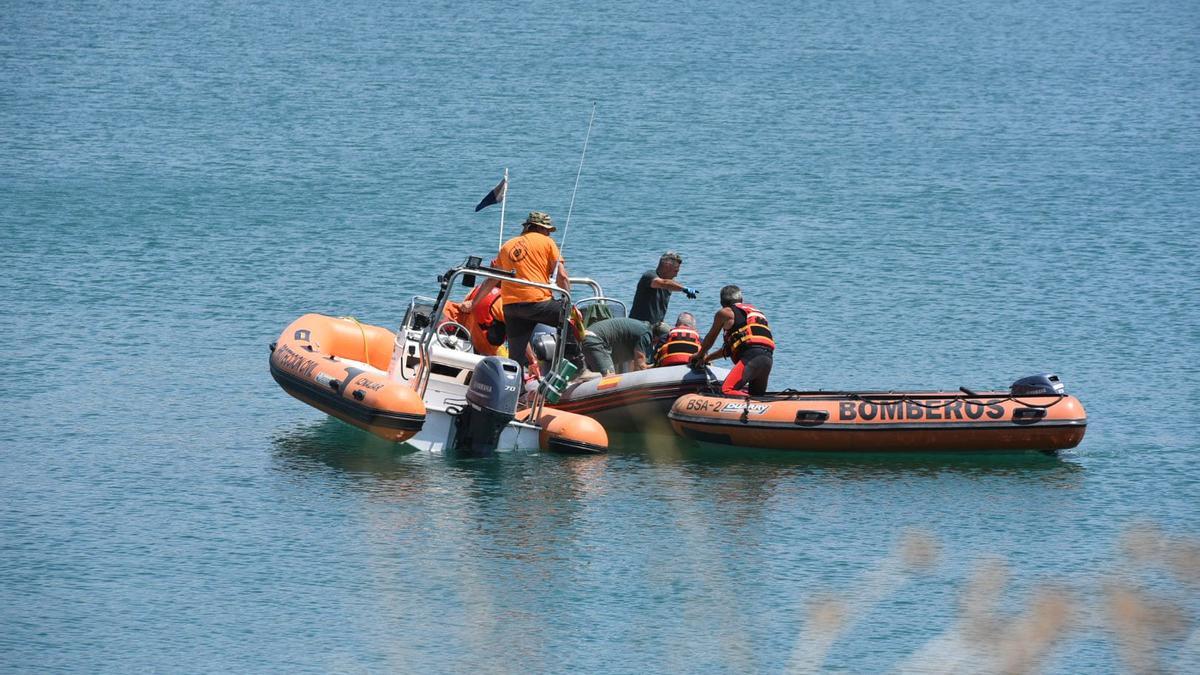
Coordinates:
[438,434]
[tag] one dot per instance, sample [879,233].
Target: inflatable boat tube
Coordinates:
[568,433]
[339,366]
[635,402]
[884,421]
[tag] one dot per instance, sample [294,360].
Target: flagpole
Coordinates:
[562,244]
[503,203]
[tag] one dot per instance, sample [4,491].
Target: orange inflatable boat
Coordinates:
[1035,414]
[339,366]
[425,385]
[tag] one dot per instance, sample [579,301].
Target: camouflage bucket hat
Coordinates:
[541,219]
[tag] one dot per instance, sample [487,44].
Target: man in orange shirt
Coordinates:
[535,257]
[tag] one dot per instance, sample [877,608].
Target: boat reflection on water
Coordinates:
[335,445]
[460,524]
[489,532]
[352,453]
[674,449]
[397,469]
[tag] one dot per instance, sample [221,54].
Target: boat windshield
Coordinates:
[419,314]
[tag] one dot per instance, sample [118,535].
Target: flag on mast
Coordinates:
[494,197]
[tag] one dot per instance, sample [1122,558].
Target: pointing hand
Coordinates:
[691,293]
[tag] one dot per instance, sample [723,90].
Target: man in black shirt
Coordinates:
[655,287]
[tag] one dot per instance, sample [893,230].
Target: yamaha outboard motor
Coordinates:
[1046,384]
[491,405]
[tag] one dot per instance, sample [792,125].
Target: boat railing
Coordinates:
[597,296]
[473,269]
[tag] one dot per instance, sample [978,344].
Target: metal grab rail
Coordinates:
[604,299]
[597,294]
[447,283]
[406,324]
[589,282]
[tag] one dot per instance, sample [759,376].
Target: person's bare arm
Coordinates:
[563,279]
[532,359]
[721,320]
[669,284]
[486,288]
[674,287]
[639,361]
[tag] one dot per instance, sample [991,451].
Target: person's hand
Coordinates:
[697,360]
[465,306]
[691,293]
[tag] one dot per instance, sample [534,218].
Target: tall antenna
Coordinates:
[562,244]
[503,203]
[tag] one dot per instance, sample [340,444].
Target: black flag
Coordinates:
[493,197]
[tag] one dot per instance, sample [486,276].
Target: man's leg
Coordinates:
[520,329]
[758,371]
[550,313]
[735,382]
[596,355]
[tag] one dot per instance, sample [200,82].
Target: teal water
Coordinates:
[919,194]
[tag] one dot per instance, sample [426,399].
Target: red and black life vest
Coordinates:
[482,309]
[749,329]
[678,347]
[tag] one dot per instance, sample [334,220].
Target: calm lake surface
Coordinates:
[918,194]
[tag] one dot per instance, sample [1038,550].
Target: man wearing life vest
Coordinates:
[748,342]
[532,256]
[680,343]
[484,320]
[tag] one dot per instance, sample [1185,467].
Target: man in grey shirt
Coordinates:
[655,287]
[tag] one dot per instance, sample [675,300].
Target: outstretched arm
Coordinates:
[669,284]
[721,320]
[673,286]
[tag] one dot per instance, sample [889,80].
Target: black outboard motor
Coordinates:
[1046,384]
[491,405]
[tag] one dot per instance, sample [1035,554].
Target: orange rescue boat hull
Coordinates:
[884,422]
[339,366]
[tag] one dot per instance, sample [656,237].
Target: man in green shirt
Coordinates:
[611,343]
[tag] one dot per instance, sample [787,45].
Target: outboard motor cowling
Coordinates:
[491,405]
[1046,384]
[544,346]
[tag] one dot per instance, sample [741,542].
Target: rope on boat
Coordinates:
[366,348]
[907,398]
